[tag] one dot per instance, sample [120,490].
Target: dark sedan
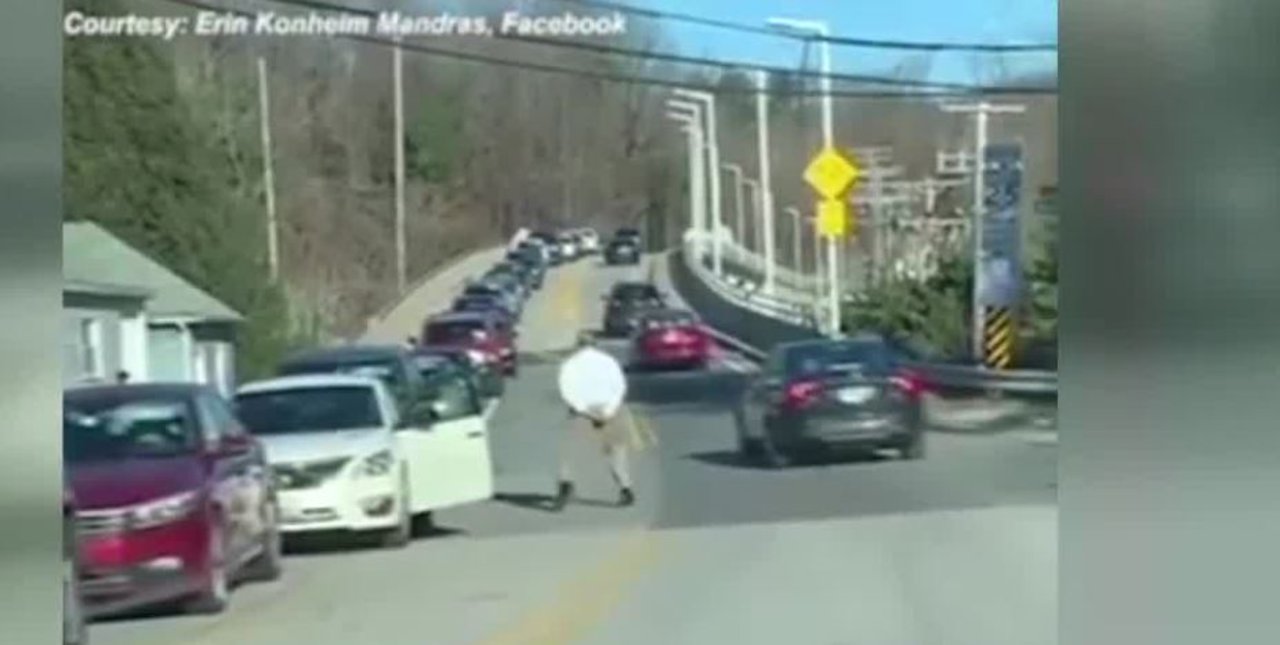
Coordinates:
[622,251]
[820,394]
[483,304]
[529,259]
[624,305]
[507,296]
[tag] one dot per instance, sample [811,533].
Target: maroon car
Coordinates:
[671,338]
[173,497]
[491,336]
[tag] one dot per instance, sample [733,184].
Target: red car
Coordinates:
[671,338]
[173,498]
[490,335]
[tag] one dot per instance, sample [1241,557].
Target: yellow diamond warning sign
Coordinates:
[831,173]
[833,217]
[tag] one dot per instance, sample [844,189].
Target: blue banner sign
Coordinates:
[1000,276]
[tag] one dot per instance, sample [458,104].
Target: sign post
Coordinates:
[831,175]
[999,277]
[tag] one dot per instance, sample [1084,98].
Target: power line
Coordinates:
[704,62]
[873,43]
[630,79]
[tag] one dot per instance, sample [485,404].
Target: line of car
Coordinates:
[174,494]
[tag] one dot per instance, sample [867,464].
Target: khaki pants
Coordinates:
[613,442]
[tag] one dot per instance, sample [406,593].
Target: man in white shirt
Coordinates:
[593,386]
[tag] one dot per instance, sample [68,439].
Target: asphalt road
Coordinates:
[958,548]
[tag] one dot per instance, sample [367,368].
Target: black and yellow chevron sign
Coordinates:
[997,337]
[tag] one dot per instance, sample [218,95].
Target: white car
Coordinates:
[568,245]
[344,458]
[590,240]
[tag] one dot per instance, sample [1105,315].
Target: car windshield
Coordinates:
[454,331]
[635,292]
[107,429]
[382,369]
[430,365]
[309,409]
[483,290]
[827,357]
[471,303]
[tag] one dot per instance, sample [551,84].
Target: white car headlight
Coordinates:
[164,510]
[376,465]
[477,358]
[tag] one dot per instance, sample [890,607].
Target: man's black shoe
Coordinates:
[563,495]
[627,498]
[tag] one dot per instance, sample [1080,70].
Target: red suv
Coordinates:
[173,497]
[490,335]
[669,338]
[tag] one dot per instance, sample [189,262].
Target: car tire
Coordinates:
[269,565]
[422,524]
[215,594]
[399,536]
[74,625]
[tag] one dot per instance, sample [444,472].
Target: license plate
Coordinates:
[855,395]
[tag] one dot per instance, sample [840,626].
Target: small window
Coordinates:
[453,398]
[211,431]
[90,342]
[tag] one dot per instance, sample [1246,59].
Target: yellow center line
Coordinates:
[586,600]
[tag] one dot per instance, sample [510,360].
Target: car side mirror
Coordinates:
[235,445]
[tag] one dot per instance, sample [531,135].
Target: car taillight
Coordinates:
[801,394]
[910,382]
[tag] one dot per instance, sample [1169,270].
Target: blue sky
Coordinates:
[996,21]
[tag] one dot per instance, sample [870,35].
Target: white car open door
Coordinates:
[449,458]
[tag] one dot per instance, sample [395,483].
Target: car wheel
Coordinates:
[422,524]
[216,592]
[399,536]
[269,565]
[74,631]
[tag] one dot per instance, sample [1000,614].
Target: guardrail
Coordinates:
[747,295]
[972,377]
[753,323]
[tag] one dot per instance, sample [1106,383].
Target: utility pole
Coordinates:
[268,173]
[982,112]
[766,190]
[397,64]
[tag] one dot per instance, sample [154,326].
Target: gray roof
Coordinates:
[103,289]
[92,255]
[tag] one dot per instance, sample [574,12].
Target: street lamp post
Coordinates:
[707,102]
[693,131]
[766,190]
[757,206]
[740,210]
[797,235]
[690,114]
[817,28]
